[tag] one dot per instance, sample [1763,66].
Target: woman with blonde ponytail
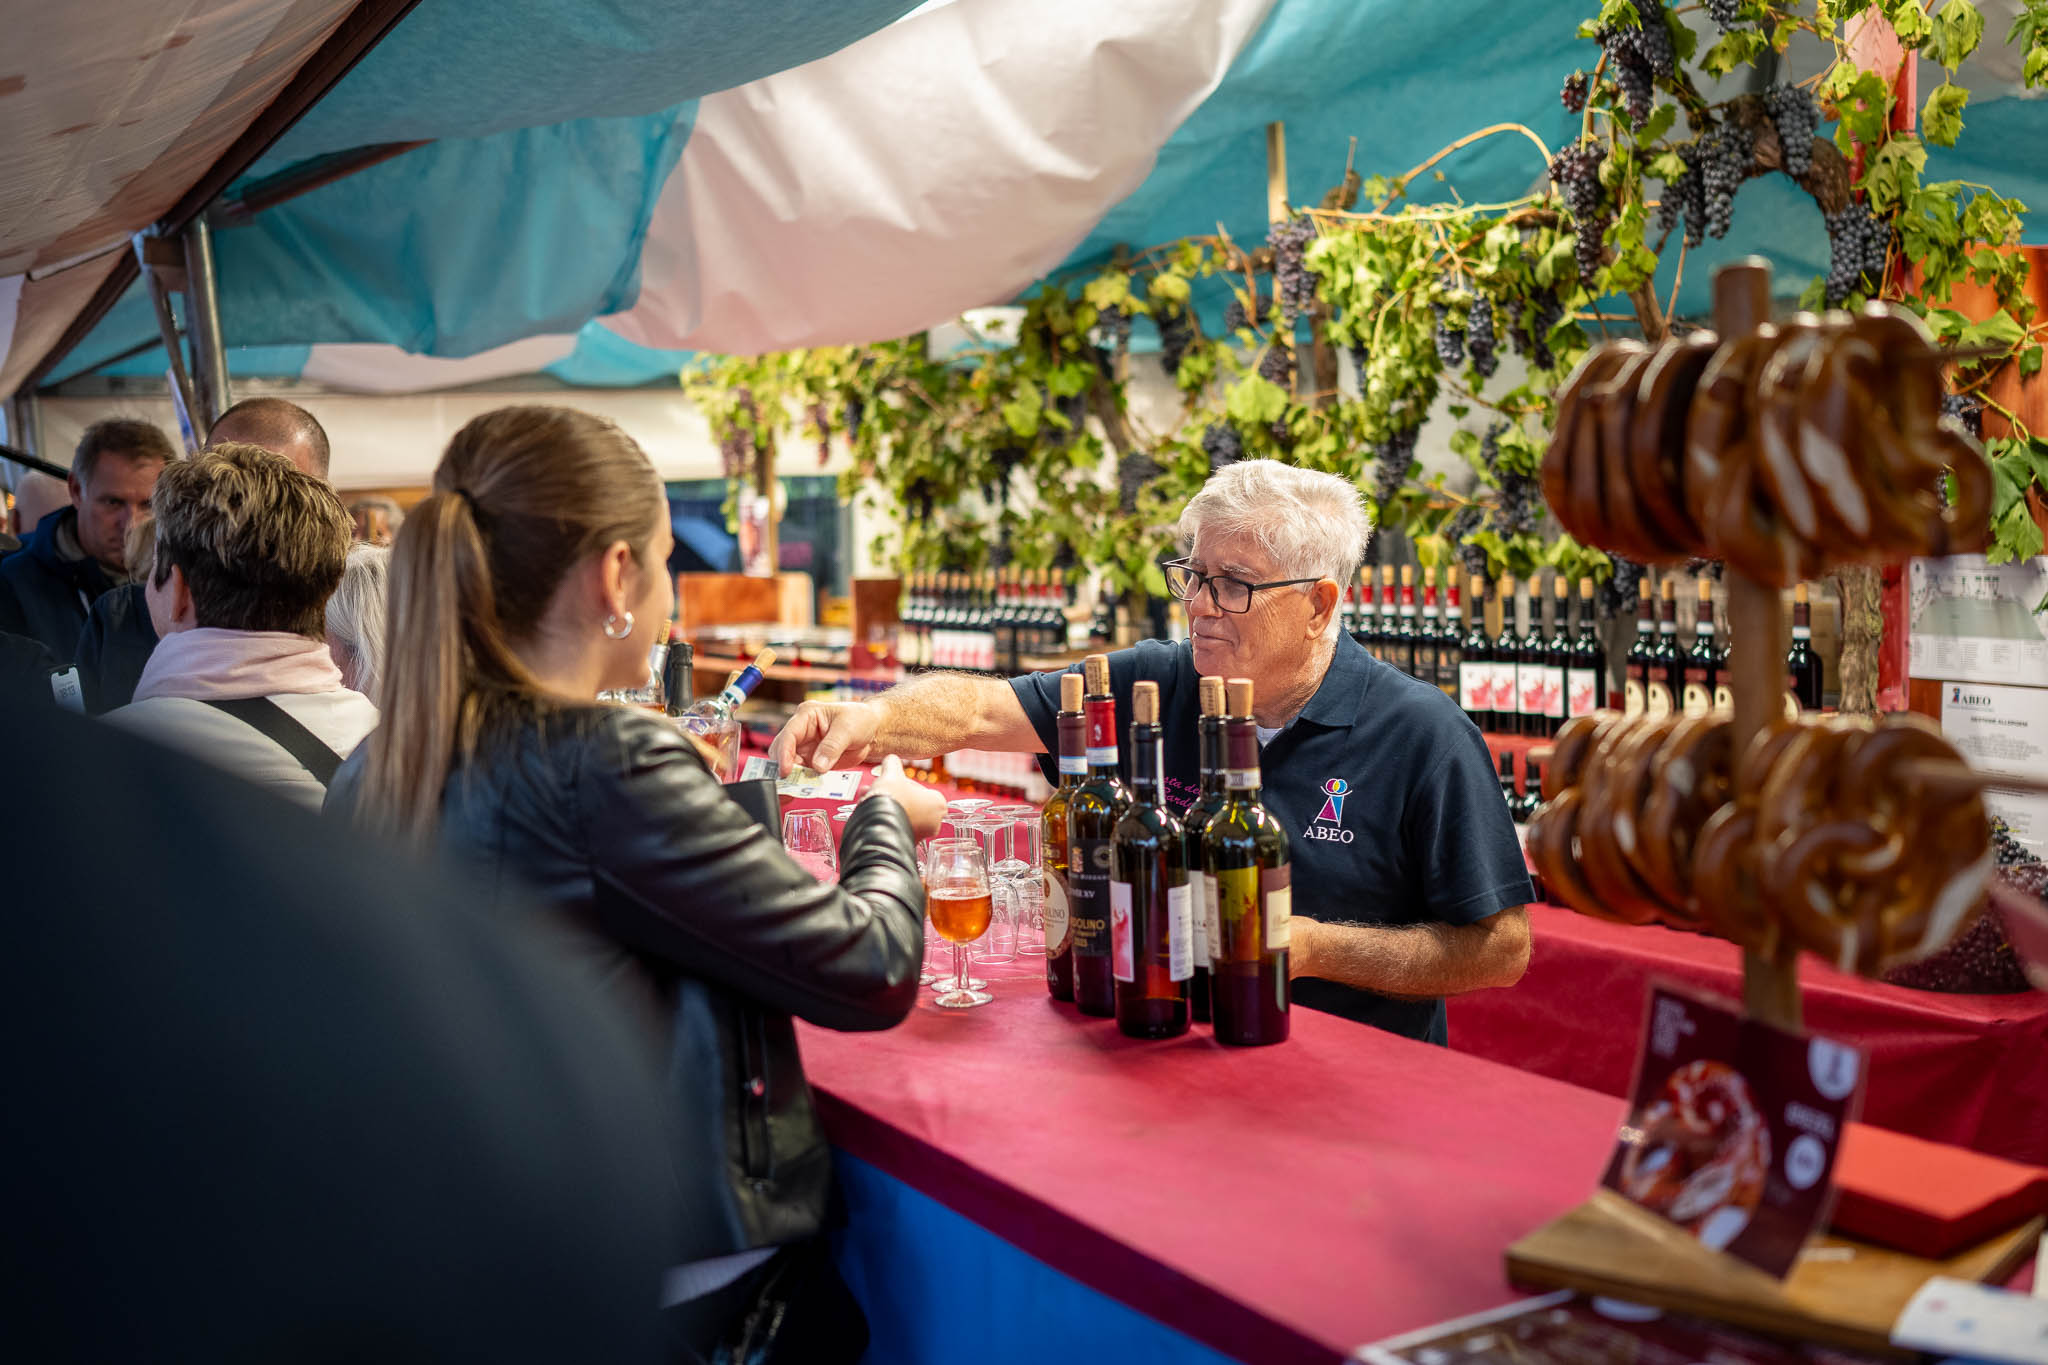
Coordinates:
[530,580]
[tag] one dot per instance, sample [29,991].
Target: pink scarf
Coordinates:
[209,664]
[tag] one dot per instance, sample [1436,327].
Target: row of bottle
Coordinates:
[1157,919]
[984,623]
[1661,678]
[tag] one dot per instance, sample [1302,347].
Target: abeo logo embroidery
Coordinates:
[1327,827]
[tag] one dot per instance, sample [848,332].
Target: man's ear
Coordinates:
[1324,596]
[76,488]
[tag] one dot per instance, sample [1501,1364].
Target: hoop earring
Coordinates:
[611,621]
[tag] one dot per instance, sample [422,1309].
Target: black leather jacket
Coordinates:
[695,909]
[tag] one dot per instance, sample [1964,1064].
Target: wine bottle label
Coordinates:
[1632,698]
[1529,689]
[1475,686]
[1724,699]
[1180,934]
[1208,932]
[1698,698]
[1101,734]
[1582,689]
[1552,698]
[1122,959]
[1504,693]
[1791,706]
[1055,915]
[1076,765]
[1088,896]
[1277,884]
[1241,779]
[1802,632]
[1657,701]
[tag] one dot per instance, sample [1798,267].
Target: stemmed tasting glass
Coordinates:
[1022,870]
[807,834]
[961,904]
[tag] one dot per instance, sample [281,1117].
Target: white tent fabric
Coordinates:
[792,186]
[368,367]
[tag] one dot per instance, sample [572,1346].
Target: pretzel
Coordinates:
[1813,440]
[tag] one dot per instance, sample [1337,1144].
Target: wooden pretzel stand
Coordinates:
[1842,1293]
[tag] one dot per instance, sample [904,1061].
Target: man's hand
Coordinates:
[825,734]
[925,807]
[1301,951]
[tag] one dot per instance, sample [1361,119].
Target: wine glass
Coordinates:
[1022,869]
[807,834]
[961,904]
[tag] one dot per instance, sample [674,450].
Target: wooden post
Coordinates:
[1756,618]
[1276,172]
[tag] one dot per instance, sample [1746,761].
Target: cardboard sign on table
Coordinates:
[1733,1128]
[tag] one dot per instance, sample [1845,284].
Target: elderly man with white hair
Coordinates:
[1409,882]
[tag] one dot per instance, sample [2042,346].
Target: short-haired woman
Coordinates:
[528,581]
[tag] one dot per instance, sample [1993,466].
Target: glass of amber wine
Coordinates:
[960,903]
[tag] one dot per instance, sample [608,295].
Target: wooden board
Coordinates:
[1842,1293]
[725,599]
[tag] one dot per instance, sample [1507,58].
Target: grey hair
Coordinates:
[355,615]
[1311,525]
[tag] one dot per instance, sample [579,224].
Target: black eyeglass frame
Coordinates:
[1210,580]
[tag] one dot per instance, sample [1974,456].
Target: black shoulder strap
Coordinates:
[275,724]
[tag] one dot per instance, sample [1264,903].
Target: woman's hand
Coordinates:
[925,807]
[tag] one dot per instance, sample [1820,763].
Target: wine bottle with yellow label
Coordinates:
[1246,851]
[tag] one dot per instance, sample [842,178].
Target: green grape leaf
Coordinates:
[1255,401]
[2000,329]
[2015,536]
[1168,286]
[1909,22]
[1662,119]
[1893,173]
[1738,48]
[1667,166]
[2030,361]
[1941,118]
[1958,28]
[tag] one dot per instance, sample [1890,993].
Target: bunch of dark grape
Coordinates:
[1391,459]
[1481,339]
[1529,331]
[821,418]
[1685,197]
[1277,364]
[1133,472]
[1450,341]
[855,411]
[1965,409]
[1797,118]
[1361,361]
[1576,172]
[736,446]
[1640,55]
[1727,13]
[1235,316]
[1294,284]
[1472,557]
[1520,505]
[1725,154]
[1176,334]
[1620,593]
[1115,326]
[1857,244]
[1222,444]
[1980,960]
[1074,408]
[1574,93]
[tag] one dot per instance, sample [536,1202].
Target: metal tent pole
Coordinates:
[202,316]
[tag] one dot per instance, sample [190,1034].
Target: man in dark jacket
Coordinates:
[118,637]
[75,555]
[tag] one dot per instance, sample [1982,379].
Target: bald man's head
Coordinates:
[280,427]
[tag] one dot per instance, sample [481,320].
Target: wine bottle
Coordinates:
[1367,619]
[1426,640]
[714,720]
[1388,636]
[678,679]
[1475,665]
[1667,665]
[1507,657]
[1092,814]
[1641,654]
[1702,661]
[1450,641]
[1059,946]
[1724,680]
[1245,849]
[1201,884]
[1004,622]
[1532,788]
[1557,654]
[1802,665]
[1504,764]
[1152,941]
[1404,638]
[1585,679]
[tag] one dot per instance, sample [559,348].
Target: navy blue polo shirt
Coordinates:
[1390,800]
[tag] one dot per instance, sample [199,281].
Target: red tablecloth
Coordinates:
[1280,1204]
[1965,1069]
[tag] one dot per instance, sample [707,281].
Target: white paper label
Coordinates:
[1104,757]
[1212,919]
[1074,765]
[1551,699]
[1055,914]
[1180,935]
[2003,730]
[1241,779]
[68,691]
[1279,916]
[1122,958]
[1475,687]
[1582,692]
[1198,916]
[1975,1321]
[1504,696]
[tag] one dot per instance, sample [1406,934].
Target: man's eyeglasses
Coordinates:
[1233,595]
